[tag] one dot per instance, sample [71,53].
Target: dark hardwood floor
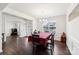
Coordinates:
[20,46]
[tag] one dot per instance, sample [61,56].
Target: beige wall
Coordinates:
[60,25]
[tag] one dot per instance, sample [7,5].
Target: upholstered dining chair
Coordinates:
[50,43]
[36,42]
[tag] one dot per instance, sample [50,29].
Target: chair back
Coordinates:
[35,38]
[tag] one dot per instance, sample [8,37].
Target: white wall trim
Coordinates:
[75,43]
[0,43]
[19,14]
[72,42]
[71,8]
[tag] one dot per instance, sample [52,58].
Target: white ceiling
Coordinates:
[40,10]
[3,5]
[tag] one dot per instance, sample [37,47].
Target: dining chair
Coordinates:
[36,42]
[50,43]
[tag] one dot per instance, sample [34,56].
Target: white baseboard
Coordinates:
[57,38]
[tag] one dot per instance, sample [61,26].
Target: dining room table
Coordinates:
[43,37]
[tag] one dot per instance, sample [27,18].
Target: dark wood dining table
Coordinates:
[43,37]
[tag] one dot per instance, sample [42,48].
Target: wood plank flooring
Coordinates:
[20,46]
